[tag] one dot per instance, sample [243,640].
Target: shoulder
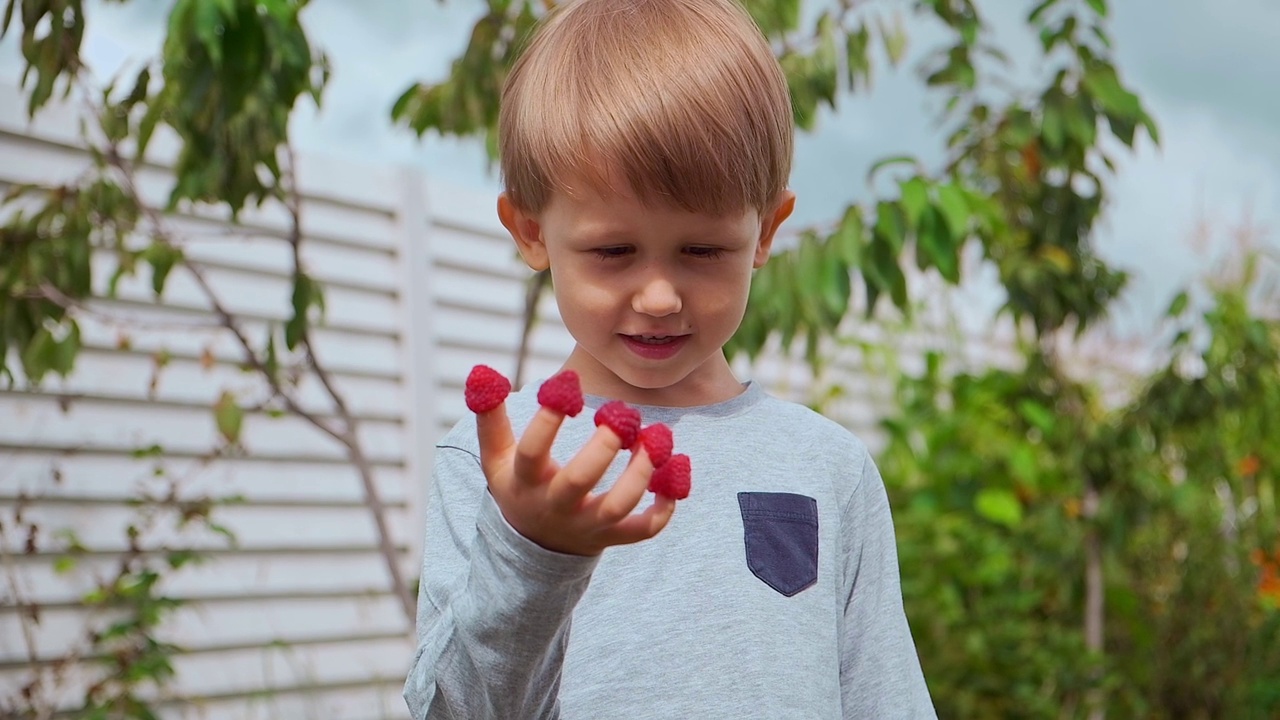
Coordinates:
[795,423]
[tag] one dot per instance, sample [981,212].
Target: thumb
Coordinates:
[493,430]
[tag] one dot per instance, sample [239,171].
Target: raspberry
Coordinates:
[486,389]
[657,442]
[562,393]
[622,419]
[673,478]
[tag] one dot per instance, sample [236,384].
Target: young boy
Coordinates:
[645,147]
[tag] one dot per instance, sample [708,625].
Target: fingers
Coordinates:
[645,525]
[626,493]
[584,471]
[533,453]
[493,430]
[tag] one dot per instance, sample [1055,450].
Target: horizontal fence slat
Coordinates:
[258,296]
[227,575]
[137,376]
[197,627]
[120,478]
[102,527]
[44,420]
[280,681]
[155,329]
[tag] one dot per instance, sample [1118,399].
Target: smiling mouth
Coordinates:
[655,347]
[655,339]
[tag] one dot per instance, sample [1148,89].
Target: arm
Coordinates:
[493,607]
[880,674]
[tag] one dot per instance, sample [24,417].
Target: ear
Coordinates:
[769,226]
[525,231]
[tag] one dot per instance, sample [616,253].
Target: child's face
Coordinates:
[650,294]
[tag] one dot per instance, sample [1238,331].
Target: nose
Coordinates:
[656,296]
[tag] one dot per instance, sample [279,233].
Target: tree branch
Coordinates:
[349,437]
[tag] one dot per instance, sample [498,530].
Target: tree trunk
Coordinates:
[1093,596]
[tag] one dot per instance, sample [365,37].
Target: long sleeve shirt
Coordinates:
[773,592]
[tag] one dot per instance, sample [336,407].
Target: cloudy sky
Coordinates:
[1209,70]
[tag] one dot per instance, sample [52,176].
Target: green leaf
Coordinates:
[162,256]
[884,258]
[889,162]
[209,29]
[8,17]
[1150,124]
[1179,304]
[1038,415]
[1082,125]
[894,38]
[955,209]
[836,289]
[1039,11]
[808,283]
[856,55]
[64,564]
[229,417]
[146,128]
[1101,82]
[999,506]
[850,236]
[1022,461]
[891,225]
[38,356]
[1052,126]
[295,329]
[64,355]
[1099,6]
[139,91]
[939,246]
[178,558]
[915,198]
[271,363]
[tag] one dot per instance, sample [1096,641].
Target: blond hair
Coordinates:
[682,100]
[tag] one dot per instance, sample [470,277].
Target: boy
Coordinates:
[645,148]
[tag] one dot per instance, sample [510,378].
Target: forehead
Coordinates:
[585,210]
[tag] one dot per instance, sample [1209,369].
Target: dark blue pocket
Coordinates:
[781,532]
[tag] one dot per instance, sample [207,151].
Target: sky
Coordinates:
[1208,70]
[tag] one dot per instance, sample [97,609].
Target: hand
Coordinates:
[553,506]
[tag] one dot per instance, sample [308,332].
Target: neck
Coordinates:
[711,382]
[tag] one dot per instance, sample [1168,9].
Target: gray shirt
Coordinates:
[773,592]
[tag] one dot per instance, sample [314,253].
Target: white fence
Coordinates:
[297,620]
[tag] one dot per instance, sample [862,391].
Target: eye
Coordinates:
[612,253]
[706,253]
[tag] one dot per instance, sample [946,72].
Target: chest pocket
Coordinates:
[781,535]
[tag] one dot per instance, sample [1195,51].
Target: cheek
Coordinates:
[582,302]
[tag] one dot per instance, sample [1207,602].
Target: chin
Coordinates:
[649,381]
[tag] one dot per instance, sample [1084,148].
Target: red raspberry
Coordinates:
[622,419]
[486,389]
[562,393]
[657,442]
[673,479]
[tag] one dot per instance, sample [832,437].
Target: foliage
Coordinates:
[986,472]
[122,644]
[1024,153]
[232,71]
[223,89]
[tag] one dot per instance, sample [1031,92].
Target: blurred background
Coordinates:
[248,252]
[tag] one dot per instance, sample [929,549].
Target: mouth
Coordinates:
[655,347]
[654,339]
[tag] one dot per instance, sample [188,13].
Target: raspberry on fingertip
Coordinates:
[486,389]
